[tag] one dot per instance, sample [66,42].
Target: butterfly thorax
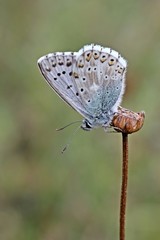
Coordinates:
[102,120]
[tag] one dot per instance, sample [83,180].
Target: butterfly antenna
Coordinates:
[70,139]
[59,129]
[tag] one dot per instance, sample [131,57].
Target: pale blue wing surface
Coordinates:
[99,76]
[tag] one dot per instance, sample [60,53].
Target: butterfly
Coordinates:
[91,81]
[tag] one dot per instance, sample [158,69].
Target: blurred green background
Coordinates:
[45,195]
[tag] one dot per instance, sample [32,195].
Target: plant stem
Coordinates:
[124,186]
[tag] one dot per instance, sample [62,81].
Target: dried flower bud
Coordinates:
[127,121]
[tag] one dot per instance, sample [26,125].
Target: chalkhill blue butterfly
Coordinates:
[92,81]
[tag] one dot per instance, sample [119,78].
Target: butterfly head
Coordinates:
[86,125]
[96,122]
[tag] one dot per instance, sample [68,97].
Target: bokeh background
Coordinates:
[45,195]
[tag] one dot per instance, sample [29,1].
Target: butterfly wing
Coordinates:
[99,76]
[57,69]
[91,80]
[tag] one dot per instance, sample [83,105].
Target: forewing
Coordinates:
[57,69]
